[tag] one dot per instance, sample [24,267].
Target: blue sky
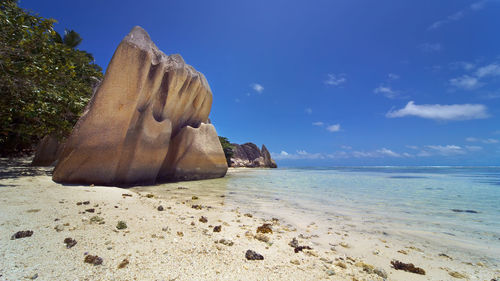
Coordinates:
[327,82]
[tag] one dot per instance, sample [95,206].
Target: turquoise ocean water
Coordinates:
[457,207]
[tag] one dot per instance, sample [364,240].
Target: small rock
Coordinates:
[226,242]
[252,255]
[35,276]
[21,234]
[407,267]
[203,219]
[345,245]
[330,272]
[126,195]
[341,264]
[70,242]
[197,207]
[180,233]
[86,202]
[123,264]
[248,215]
[149,195]
[121,225]
[261,237]
[294,243]
[95,260]
[300,248]
[217,228]
[97,219]
[160,208]
[456,274]
[59,227]
[91,210]
[265,228]
[194,197]
[296,262]
[380,272]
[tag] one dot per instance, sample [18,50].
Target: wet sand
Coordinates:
[173,244]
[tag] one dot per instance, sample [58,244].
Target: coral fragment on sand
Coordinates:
[252,255]
[409,267]
[22,234]
[95,260]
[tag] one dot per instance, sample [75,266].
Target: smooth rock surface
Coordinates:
[195,153]
[145,99]
[47,151]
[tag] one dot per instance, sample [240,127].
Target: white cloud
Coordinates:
[486,141]
[386,91]
[441,112]
[473,147]
[414,147]
[393,76]
[451,18]
[308,110]
[388,152]
[333,128]
[298,155]
[446,150]
[465,82]
[488,70]
[335,79]
[476,6]
[257,87]
[319,124]
[430,47]
[348,147]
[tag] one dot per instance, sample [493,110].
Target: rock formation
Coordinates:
[147,122]
[47,151]
[250,156]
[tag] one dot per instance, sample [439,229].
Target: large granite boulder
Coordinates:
[47,151]
[144,103]
[249,155]
[195,155]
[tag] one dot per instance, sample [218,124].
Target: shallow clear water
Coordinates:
[453,205]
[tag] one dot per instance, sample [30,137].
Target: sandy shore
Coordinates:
[173,244]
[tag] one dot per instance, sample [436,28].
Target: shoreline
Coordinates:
[174,245]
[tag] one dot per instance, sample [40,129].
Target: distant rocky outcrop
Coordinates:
[47,151]
[146,122]
[249,155]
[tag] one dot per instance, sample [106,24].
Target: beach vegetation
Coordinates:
[45,81]
[228,149]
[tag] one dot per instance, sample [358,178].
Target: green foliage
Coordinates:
[44,84]
[228,149]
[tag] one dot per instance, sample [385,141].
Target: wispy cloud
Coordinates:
[298,155]
[257,87]
[333,128]
[441,112]
[476,6]
[430,47]
[492,69]
[475,79]
[393,76]
[319,124]
[335,79]
[444,150]
[466,82]
[486,141]
[387,91]
[308,110]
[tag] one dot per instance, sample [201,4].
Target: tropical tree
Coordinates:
[44,84]
[71,38]
[228,149]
